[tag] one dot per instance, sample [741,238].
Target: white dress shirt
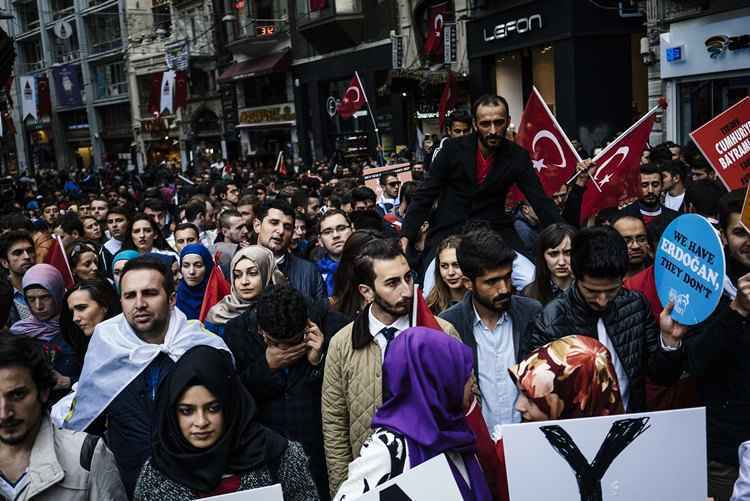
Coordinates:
[622,377]
[401,324]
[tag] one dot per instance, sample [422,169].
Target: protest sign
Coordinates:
[745,215]
[429,481]
[725,142]
[689,268]
[634,457]
[372,175]
[270,493]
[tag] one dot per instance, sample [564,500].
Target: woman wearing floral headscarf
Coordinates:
[252,269]
[572,377]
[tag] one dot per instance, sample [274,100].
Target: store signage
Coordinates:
[450,43]
[268,114]
[518,26]
[332,106]
[675,54]
[63,30]
[268,30]
[719,44]
[397,51]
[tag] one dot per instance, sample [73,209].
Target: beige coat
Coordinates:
[352,391]
[56,473]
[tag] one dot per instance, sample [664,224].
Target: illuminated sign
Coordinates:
[268,30]
[519,26]
[264,115]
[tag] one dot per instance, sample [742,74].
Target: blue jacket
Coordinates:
[303,276]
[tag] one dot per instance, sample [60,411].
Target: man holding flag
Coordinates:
[471,177]
[352,381]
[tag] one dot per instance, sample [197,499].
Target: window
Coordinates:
[31,53]
[65,50]
[28,15]
[268,89]
[104,31]
[702,100]
[162,16]
[111,80]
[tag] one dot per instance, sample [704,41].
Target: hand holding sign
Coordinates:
[741,303]
[672,332]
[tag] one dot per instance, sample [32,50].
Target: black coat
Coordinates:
[630,327]
[522,311]
[718,356]
[451,182]
[304,276]
[288,399]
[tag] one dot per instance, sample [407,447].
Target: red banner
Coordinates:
[57,258]
[725,142]
[354,99]
[180,90]
[438,14]
[551,152]
[44,101]
[617,179]
[154,97]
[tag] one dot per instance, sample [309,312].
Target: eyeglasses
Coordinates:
[394,183]
[338,229]
[639,239]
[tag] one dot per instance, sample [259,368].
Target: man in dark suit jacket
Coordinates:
[470,177]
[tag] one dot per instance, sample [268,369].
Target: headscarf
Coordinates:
[50,279]
[232,306]
[124,255]
[190,298]
[244,444]
[425,373]
[571,377]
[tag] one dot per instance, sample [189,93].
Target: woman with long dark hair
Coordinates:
[83,258]
[346,299]
[449,287]
[553,271]
[89,302]
[145,236]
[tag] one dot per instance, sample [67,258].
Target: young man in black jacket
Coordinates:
[598,306]
[279,348]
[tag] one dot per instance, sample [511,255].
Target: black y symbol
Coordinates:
[589,475]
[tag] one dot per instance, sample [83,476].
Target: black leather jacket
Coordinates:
[630,326]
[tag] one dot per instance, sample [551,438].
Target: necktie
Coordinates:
[388,333]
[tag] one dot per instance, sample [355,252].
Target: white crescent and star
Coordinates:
[354,89]
[539,164]
[622,152]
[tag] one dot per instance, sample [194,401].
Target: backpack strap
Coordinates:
[87,451]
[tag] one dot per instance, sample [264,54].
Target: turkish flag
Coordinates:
[448,98]
[421,314]
[552,155]
[180,90]
[433,44]
[57,258]
[216,289]
[154,97]
[44,102]
[617,181]
[354,98]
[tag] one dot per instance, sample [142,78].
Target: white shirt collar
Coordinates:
[402,323]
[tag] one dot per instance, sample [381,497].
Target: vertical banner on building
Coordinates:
[437,16]
[67,85]
[28,97]
[44,101]
[167,92]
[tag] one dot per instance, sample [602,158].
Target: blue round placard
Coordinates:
[689,268]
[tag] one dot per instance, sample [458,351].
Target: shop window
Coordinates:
[543,71]
[702,100]
[265,90]
[518,71]
[75,120]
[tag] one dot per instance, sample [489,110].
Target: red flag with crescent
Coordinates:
[354,98]
[438,15]
[616,180]
[552,154]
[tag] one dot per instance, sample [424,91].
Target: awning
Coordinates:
[272,63]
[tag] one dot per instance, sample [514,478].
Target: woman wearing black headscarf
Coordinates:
[207,442]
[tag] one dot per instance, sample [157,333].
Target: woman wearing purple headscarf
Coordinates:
[428,382]
[44,288]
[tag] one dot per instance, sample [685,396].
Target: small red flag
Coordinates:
[421,314]
[552,154]
[354,98]
[448,99]
[57,258]
[617,180]
[433,44]
[281,164]
[216,289]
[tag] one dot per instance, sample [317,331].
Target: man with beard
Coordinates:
[648,207]
[597,305]
[17,255]
[492,321]
[470,177]
[716,355]
[38,460]
[128,356]
[352,380]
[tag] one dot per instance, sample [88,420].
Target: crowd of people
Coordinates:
[318,369]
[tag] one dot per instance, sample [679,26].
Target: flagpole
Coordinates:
[369,110]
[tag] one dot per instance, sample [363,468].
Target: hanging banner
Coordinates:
[689,268]
[28,97]
[651,456]
[725,142]
[67,85]
[167,92]
[44,100]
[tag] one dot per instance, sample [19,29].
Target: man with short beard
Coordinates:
[17,255]
[352,380]
[127,358]
[38,460]
[649,207]
[492,321]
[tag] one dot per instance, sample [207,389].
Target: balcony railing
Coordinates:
[99,47]
[67,57]
[28,25]
[112,90]
[32,67]
[61,13]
